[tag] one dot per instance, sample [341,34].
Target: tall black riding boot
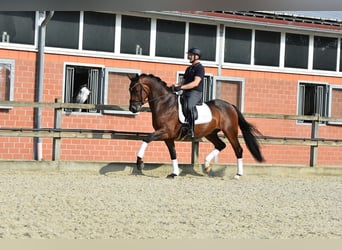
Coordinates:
[191,124]
[191,129]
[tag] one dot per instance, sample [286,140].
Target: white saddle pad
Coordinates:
[204,113]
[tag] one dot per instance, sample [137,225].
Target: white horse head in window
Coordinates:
[82,95]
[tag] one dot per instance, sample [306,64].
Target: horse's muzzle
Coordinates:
[134,107]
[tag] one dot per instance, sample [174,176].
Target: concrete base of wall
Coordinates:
[160,169]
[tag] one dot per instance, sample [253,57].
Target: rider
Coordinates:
[192,86]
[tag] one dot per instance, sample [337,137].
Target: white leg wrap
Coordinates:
[175,169]
[210,156]
[142,149]
[239,166]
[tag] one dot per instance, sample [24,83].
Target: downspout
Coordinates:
[39,83]
[220,49]
[219,68]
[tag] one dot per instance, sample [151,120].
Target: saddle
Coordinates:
[203,111]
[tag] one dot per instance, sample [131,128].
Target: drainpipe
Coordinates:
[221,49]
[220,62]
[39,83]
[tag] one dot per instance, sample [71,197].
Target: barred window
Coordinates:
[313,99]
[77,77]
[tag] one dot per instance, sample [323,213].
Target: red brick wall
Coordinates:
[336,110]
[265,92]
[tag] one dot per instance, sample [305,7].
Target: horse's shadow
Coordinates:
[158,169]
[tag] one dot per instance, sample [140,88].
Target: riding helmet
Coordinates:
[195,51]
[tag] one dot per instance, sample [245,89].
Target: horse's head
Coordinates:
[138,93]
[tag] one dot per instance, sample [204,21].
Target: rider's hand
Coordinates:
[176,88]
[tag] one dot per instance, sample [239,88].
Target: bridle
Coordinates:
[142,89]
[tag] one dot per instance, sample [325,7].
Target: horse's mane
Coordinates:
[156,78]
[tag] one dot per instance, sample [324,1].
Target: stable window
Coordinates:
[325,53]
[312,99]
[296,51]
[63,30]
[99,31]
[335,108]
[341,56]
[77,77]
[208,89]
[6,81]
[116,90]
[230,89]
[17,27]
[203,36]
[267,48]
[170,39]
[135,35]
[238,44]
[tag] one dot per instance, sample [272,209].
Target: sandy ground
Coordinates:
[87,205]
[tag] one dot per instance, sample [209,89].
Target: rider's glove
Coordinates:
[176,88]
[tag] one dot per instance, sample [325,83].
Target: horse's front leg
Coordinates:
[170,143]
[140,154]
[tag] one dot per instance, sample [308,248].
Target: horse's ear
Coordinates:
[132,76]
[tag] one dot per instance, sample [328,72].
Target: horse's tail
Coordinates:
[249,132]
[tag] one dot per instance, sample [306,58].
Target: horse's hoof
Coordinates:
[140,165]
[171,176]
[206,168]
[237,177]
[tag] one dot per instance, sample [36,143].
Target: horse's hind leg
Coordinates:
[232,135]
[219,146]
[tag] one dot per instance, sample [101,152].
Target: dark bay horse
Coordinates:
[164,107]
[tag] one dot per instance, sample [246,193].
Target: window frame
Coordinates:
[287,54]
[107,71]
[226,45]
[10,62]
[154,48]
[79,27]
[190,40]
[82,30]
[139,51]
[227,79]
[300,102]
[34,34]
[331,88]
[261,46]
[151,57]
[314,51]
[101,86]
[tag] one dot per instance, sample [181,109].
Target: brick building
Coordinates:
[264,62]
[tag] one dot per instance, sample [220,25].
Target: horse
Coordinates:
[163,103]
